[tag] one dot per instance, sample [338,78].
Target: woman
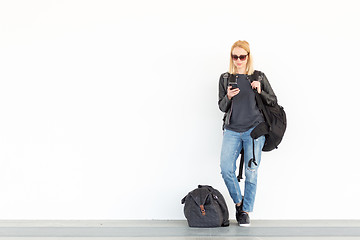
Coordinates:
[237,101]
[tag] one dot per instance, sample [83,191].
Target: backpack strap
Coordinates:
[259,101]
[241,166]
[253,160]
[242,160]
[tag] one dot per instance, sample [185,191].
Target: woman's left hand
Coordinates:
[257,85]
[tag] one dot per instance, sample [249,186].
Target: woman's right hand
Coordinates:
[233,92]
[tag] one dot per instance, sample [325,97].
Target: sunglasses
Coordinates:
[236,57]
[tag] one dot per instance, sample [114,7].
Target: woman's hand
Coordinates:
[233,92]
[257,85]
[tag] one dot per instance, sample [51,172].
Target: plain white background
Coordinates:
[108,109]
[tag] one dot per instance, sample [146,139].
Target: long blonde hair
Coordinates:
[249,65]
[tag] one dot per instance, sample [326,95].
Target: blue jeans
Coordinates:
[232,144]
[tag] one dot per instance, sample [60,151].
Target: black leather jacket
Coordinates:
[225,105]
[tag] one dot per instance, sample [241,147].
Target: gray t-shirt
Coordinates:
[244,114]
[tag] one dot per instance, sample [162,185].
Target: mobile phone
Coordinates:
[233,85]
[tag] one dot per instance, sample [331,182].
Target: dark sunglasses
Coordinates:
[242,57]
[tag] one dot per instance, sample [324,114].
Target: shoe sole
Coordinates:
[244,225]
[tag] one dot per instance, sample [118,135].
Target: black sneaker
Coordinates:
[244,219]
[239,210]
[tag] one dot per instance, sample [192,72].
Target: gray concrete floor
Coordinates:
[178,230]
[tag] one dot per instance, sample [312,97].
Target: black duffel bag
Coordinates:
[205,207]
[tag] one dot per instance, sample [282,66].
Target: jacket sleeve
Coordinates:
[223,102]
[267,93]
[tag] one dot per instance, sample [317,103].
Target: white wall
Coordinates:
[109,108]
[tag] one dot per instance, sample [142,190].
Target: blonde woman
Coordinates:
[237,100]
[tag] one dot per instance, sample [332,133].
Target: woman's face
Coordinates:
[238,51]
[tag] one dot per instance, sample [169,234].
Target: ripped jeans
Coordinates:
[232,144]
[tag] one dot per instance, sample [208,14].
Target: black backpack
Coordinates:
[205,207]
[275,122]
